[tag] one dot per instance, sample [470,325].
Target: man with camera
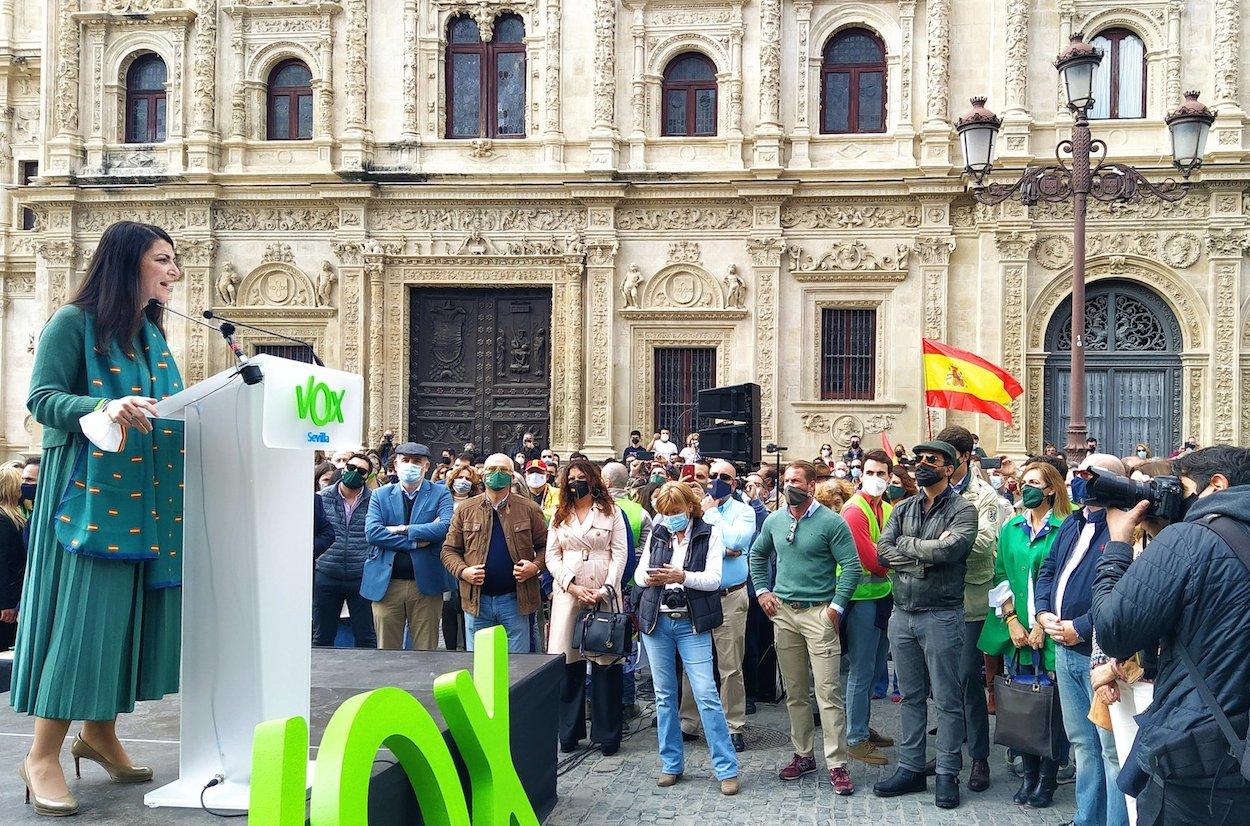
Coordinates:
[1063,594]
[1189,593]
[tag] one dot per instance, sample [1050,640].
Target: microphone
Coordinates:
[250,372]
[316,359]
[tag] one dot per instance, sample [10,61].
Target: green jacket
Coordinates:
[1019,559]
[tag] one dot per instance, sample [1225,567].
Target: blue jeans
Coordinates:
[1098,800]
[329,594]
[669,639]
[500,610]
[866,644]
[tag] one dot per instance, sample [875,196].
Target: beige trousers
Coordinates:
[403,604]
[803,636]
[729,640]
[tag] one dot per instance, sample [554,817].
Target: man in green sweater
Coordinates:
[805,602]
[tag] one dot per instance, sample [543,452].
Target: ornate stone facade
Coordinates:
[737,241]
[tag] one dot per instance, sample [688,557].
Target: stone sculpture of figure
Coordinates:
[574,245]
[228,284]
[325,284]
[629,290]
[735,289]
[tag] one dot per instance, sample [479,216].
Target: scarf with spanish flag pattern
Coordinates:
[128,505]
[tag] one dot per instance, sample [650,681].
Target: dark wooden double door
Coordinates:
[479,367]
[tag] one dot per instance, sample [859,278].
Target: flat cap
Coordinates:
[938,446]
[413,449]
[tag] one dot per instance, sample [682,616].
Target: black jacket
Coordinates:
[323,529]
[1187,588]
[705,606]
[12,562]
[928,572]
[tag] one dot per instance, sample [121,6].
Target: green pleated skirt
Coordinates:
[91,640]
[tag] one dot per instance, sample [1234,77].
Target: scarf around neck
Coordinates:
[128,505]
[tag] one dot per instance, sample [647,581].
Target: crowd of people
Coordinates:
[950,565]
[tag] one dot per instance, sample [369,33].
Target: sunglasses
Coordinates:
[724,477]
[794,526]
[929,459]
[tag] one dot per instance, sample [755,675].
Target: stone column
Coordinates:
[638,88]
[603,134]
[935,136]
[600,275]
[1226,68]
[375,376]
[412,129]
[567,361]
[54,279]
[907,26]
[197,257]
[1014,143]
[802,134]
[933,251]
[553,133]
[65,146]
[1225,250]
[733,86]
[202,149]
[1013,263]
[95,32]
[768,132]
[356,149]
[764,249]
[351,298]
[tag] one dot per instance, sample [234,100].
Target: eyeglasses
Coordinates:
[794,526]
[929,459]
[724,477]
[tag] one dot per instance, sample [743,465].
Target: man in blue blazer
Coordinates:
[404,576]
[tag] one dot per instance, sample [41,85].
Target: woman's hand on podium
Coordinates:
[132,411]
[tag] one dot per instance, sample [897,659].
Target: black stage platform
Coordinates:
[151,737]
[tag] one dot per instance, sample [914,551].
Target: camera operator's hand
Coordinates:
[1122,524]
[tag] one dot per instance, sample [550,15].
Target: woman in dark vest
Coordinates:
[680,570]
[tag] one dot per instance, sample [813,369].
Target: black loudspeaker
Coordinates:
[729,419]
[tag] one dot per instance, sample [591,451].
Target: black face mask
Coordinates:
[927,476]
[796,496]
[579,488]
[635,440]
[1186,504]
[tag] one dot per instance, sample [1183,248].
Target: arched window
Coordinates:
[290,98]
[689,96]
[852,83]
[145,100]
[486,81]
[1120,80]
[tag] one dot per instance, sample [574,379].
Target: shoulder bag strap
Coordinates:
[1236,537]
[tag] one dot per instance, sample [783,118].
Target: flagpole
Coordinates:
[928,416]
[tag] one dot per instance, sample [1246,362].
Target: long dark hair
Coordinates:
[598,490]
[111,289]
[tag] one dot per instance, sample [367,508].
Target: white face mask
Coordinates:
[996,481]
[535,480]
[872,485]
[841,474]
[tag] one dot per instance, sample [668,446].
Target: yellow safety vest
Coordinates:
[870,585]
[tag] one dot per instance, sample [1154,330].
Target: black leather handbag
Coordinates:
[1028,717]
[599,633]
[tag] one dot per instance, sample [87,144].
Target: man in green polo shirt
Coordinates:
[808,542]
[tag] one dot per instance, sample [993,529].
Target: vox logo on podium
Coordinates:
[319,403]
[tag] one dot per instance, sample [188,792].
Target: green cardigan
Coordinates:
[1018,561]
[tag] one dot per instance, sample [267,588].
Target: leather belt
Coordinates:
[724,592]
[676,614]
[801,606]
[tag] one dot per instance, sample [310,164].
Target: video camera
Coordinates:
[1164,493]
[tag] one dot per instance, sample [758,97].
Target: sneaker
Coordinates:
[879,740]
[1067,774]
[751,707]
[895,697]
[730,786]
[798,767]
[665,780]
[840,779]
[866,752]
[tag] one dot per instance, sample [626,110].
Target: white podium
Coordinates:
[247,554]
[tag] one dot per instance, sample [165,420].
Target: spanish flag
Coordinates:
[960,380]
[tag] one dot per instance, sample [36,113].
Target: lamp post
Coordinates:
[1078,180]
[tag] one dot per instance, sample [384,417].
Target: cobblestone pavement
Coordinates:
[621,788]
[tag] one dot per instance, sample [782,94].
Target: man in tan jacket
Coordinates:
[495,547]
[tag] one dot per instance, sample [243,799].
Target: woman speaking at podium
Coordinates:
[101,607]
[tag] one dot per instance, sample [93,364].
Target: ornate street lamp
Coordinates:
[1189,125]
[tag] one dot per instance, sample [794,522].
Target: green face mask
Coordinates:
[353,479]
[893,493]
[1031,496]
[498,479]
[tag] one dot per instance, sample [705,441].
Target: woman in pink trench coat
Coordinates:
[586,551]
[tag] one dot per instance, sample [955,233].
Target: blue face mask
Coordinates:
[719,489]
[1078,490]
[409,473]
[677,522]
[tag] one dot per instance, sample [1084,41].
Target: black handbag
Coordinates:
[603,633]
[1028,717]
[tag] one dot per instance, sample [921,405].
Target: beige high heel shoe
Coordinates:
[117,773]
[50,806]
